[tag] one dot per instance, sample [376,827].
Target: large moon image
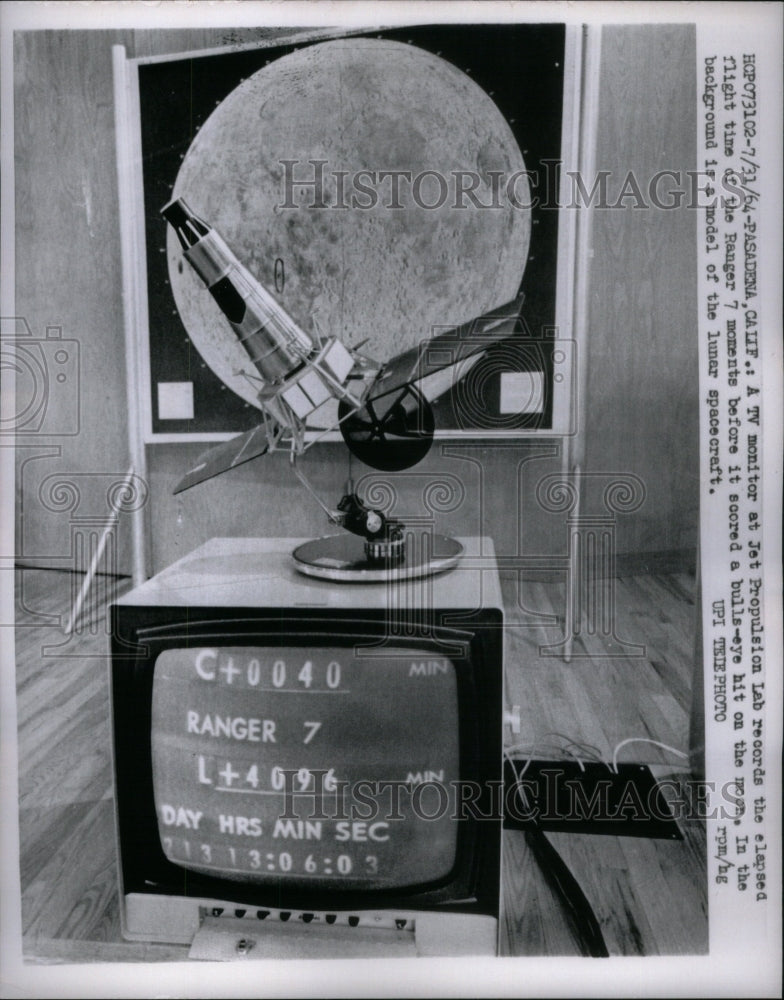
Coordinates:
[384,267]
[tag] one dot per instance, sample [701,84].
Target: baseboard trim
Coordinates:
[662,562]
[47,567]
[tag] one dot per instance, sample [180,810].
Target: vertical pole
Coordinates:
[132,253]
[111,524]
[574,451]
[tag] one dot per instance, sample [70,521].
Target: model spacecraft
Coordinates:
[383,412]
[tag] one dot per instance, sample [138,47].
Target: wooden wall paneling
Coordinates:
[642,344]
[495,490]
[68,268]
[68,271]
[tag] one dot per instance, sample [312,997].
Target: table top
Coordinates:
[260,572]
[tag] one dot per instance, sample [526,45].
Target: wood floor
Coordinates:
[649,896]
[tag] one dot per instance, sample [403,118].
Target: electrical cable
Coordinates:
[538,748]
[557,873]
[532,749]
[643,739]
[582,751]
[587,750]
[596,752]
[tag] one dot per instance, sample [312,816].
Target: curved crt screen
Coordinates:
[318,767]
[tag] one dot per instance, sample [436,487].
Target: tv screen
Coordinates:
[330,767]
[333,768]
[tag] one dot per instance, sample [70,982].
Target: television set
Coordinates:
[304,768]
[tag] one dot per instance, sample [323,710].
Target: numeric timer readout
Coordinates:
[256,773]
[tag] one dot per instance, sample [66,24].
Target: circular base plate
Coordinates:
[342,558]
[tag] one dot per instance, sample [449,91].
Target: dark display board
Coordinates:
[520,66]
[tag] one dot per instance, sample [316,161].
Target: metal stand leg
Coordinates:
[94,562]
